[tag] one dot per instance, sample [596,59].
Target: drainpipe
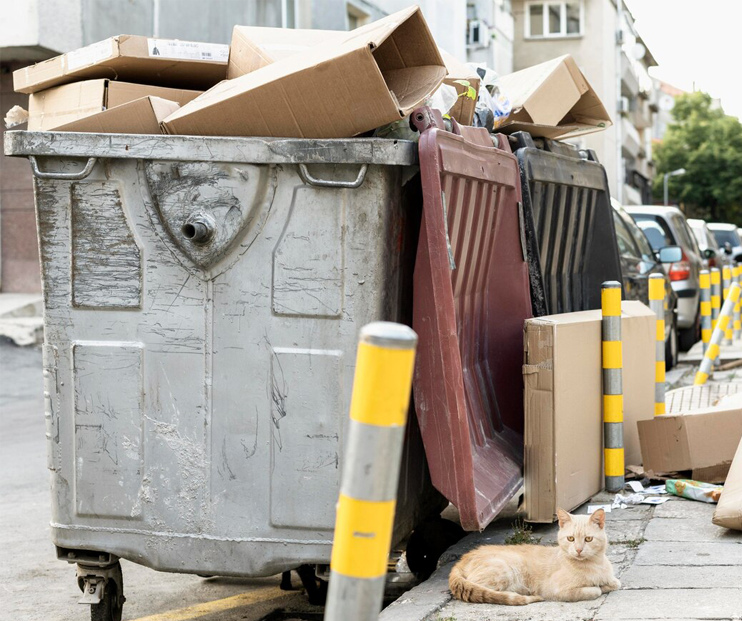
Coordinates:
[619,119]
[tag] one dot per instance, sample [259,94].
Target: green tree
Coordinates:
[708,144]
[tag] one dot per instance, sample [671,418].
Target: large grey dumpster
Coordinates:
[203,298]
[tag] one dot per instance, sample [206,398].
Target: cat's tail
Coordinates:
[468,591]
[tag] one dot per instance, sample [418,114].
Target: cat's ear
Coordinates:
[598,517]
[563,517]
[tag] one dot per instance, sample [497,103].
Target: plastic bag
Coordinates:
[694,490]
[493,105]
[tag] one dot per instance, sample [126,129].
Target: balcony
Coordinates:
[630,140]
[629,80]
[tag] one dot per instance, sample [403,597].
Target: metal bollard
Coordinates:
[612,386]
[712,352]
[657,305]
[715,300]
[737,277]
[705,283]
[368,489]
[726,276]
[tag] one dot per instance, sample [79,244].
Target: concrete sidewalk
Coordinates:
[672,561]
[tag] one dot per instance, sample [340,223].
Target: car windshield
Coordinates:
[656,231]
[726,237]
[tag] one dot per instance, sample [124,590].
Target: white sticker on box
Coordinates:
[187,50]
[88,55]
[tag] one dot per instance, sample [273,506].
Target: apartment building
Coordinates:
[601,36]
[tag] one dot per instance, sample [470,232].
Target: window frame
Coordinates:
[562,34]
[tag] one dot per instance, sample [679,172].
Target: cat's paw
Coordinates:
[613,585]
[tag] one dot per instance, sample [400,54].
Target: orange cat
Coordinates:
[516,575]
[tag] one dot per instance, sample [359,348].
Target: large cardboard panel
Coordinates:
[142,116]
[146,60]
[553,100]
[57,106]
[563,404]
[379,74]
[728,511]
[256,47]
[703,441]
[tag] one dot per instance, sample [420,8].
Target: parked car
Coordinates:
[638,261]
[712,254]
[666,226]
[727,236]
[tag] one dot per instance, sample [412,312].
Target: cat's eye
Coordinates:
[588,539]
[570,538]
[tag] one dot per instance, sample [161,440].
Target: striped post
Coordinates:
[737,277]
[705,282]
[368,489]
[726,276]
[715,300]
[657,305]
[727,311]
[612,386]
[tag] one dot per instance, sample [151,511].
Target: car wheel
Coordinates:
[688,337]
[671,347]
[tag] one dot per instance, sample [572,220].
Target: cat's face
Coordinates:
[582,536]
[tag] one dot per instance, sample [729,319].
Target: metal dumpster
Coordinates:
[471,299]
[570,236]
[203,298]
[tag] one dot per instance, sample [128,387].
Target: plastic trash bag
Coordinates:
[694,490]
[493,105]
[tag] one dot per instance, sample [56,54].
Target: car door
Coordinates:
[635,282]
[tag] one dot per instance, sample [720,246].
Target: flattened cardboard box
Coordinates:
[553,100]
[375,76]
[146,60]
[728,512]
[703,441]
[54,107]
[142,116]
[563,404]
[254,47]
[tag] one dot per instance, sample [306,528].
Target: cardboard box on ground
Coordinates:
[254,47]
[728,512]
[56,107]
[563,404]
[702,440]
[376,75]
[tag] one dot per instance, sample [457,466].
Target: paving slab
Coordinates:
[689,529]
[667,577]
[673,603]
[690,554]
[540,611]
[684,508]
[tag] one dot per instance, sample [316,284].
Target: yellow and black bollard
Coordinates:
[712,353]
[726,277]
[368,489]
[704,280]
[612,386]
[715,300]
[736,276]
[657,305]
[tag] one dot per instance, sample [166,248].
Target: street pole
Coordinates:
[667,199]
[674,173]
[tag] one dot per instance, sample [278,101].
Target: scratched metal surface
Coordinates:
[196,397]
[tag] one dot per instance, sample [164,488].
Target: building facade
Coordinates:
[601,36]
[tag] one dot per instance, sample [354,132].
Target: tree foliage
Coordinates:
[708,144]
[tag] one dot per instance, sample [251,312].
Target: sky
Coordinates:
[695,42]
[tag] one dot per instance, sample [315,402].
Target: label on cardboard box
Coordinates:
[187,50]
[89,54]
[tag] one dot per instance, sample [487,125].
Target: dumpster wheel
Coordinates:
[110,608]
[103,589]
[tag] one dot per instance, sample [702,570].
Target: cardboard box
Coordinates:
[145,60]
[141,116]
[256,47]
[553,100]
[728,512]
[377,75]
[563,400]
[703,441]
[54,107]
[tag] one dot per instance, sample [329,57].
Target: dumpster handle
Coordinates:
[326,183]
[72,176]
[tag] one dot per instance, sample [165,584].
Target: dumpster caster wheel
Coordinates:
[428,542]
[103,589]
[110,606]
[316,588]
[286,581]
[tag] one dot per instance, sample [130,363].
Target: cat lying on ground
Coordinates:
[522,574]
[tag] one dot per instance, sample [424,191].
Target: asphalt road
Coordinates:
[35,586]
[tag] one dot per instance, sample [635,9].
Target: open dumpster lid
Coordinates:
[471,297]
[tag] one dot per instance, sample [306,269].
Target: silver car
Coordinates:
[728,239]
[667,226]
[713,255]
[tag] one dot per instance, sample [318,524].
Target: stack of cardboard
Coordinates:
[125,84]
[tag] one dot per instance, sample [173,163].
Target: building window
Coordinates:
[554,19]
[356,17]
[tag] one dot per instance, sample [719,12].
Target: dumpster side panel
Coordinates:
[471,299]
[196,420]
